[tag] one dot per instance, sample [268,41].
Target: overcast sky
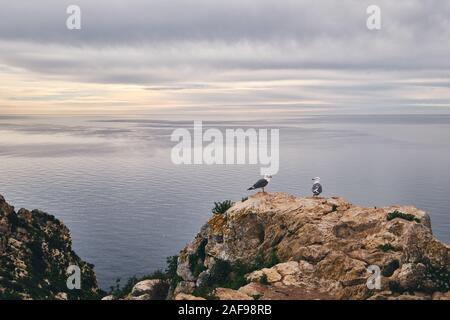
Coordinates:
[225,56]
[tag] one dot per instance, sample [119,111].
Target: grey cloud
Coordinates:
[171,46]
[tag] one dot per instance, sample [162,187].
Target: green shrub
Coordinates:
[394,286]
[160,290]
[220,272]
[438,275]
[232,275]
[263,279]
[197,259]
[273,259]
[223,274]
[222,207]
[388,270]
[171,271]
[402,215]
[261,262]
[385,247]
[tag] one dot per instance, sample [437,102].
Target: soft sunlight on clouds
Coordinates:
[160,56]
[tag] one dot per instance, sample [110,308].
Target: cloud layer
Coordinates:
[310,55]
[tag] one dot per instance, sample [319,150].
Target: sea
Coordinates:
[113,182]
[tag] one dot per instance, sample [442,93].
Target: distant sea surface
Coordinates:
[112,182]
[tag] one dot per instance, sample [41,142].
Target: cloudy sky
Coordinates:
[224,57]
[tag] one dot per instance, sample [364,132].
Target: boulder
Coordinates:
[184,287]
[153,289]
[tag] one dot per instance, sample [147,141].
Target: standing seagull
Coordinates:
[317,187]
[261,183]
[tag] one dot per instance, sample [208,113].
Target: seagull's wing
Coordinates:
[317,188]
[260,183]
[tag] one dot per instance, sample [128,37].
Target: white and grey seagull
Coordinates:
[317,187]
[261,183]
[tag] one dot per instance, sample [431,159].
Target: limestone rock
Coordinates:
[230,294]
[184,296]
[144,296]
[272,275]
[253,289]
[255,276]
[153,289]
[287,268]
[441,296]
[411,275]
[184,287]
[323,248]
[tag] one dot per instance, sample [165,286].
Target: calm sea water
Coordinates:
[128,207]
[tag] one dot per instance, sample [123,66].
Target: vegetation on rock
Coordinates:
[169,280]
[35,252]
[402,215]
[385,247]
[222,207]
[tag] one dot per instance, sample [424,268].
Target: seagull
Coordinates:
[261,183]
[317,187]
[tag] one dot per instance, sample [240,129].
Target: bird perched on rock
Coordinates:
[317,187]
[262,183]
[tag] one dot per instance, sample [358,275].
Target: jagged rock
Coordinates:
[288,268]
[411,275]
[184,270]
[183,296]
[202,277]
[324,248]
[441,296]
[253,289]
[184,287]
[153,289]
[384,295]
[144,296]
[109,298]
[35,252]
[272,275]
[61,296]
[408,297]
[230,294]
[255,276]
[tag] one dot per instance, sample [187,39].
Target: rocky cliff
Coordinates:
[277,246]
[269,246]
[35,252]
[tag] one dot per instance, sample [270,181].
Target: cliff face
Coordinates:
[276,246]
[35,251]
